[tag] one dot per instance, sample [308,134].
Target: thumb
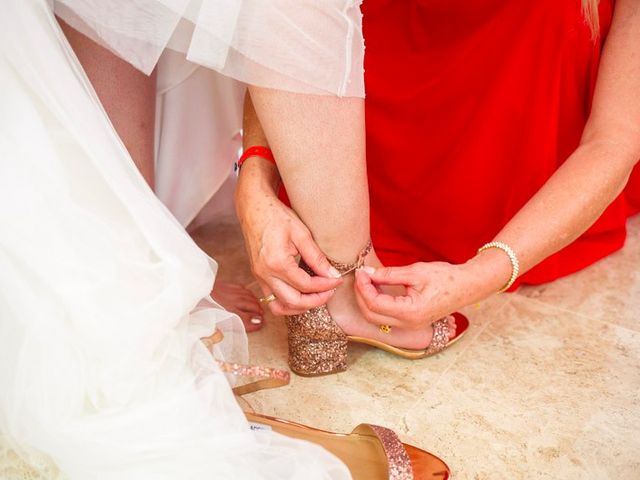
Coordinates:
[315,258]
[392,275]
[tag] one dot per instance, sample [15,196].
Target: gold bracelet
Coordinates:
[515,265]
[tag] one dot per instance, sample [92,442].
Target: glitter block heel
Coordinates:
[316,352]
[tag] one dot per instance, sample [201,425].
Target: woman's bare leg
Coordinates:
[127,95]
[319,142]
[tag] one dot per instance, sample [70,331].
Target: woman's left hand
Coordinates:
[433,289]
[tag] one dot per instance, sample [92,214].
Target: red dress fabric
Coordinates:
[471,106]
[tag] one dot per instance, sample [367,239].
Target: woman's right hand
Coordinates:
[274,237]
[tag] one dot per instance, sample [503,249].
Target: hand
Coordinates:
[274,237]
[433,290]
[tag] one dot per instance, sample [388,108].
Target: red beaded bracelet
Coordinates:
[262,152]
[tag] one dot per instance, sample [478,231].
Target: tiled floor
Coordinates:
[546,384]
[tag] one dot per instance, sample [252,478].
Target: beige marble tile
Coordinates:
[535,390]
[541,393]
[608,290]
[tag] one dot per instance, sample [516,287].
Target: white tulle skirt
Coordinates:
[305,46]
[103,299]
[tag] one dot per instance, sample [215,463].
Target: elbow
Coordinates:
[619,148]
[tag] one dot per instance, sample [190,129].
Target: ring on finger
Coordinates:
[268,299]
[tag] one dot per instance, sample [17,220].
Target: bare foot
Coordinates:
[345,311]
[240,301]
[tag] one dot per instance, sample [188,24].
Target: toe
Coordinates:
[452,326]
[252,308]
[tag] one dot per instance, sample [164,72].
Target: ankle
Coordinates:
[341,252]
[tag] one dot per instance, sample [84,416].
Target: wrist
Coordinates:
[256,184]
[491,269]
[260,174]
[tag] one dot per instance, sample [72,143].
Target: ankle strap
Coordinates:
[398,461]
[268,377]
[346,268]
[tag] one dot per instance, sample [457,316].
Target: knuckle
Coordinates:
[269,262]
[289,304]
[304,234]
[385,272]
[320,258]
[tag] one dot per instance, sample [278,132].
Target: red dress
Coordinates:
[471,106]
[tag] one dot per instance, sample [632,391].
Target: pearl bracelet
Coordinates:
[515,265]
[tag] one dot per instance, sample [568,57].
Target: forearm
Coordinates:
[591,178]
[568,203]
[564,208]
[257,173]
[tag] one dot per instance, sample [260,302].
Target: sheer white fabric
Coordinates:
[305,46]
[103,299]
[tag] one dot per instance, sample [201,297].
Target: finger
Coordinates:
[376,318]
[287,270]
[364,283]
[252,308]
[293,299]
[392,275]
[398,307]
[305,283]
[288,300]
[314,257]
[279,309]
[248,296]
[243,295]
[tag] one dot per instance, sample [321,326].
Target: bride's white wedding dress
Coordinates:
[103,299]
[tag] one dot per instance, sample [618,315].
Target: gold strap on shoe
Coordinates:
[440,337]
[343,268]
[398,461]
[211,340]
[346,268]
[268,377]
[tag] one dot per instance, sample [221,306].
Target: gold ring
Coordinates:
[267,299]
[385,328]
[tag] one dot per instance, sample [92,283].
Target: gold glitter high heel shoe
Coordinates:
[318,346]
[370,452]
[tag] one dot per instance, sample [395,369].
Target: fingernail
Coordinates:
[334,273]
[369,270]
[256,321]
